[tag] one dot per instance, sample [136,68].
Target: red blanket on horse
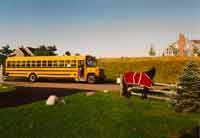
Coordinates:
[139,78]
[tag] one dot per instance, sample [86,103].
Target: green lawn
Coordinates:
[98,116]
[6,88]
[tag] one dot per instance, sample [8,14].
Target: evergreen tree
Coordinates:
[4,52]
[188,93]
[152,51]
[196,51]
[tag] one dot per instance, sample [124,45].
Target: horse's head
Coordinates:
[151,73]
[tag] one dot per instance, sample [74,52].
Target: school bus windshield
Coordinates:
[91,62]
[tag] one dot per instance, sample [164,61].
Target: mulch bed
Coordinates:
[26,95]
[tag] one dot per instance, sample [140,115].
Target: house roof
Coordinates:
[27,51]
[24,51]
[196,41]
[173,45]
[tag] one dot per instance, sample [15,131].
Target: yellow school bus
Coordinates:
[80,68]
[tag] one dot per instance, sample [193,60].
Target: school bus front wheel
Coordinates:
[91,78]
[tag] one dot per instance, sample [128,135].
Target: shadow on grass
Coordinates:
[191,132]
[26,95]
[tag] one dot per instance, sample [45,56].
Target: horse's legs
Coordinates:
[128,95]
[144,93]
[125,91]
[146,90]
[123,87]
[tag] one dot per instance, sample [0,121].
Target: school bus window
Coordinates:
[28,64]
[61,63]
[38,63]
[81,63]
[33,64]
[23,64]
[54,63]
[73,63]
[18,64]
[49,64]
[44,63]
[67,63]
[13,64]
[8,64]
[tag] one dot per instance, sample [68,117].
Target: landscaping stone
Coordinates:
[90,93]
[53,99]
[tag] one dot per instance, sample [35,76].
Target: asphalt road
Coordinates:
[68,85]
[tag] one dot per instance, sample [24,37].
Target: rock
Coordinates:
[53,99]
[134,129]
[105,91]
[90,93]
[61,101]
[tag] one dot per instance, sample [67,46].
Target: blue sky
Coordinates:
[99,27]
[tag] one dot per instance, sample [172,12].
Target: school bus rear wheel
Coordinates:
[32,77]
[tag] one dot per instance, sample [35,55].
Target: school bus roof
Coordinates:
[48,58]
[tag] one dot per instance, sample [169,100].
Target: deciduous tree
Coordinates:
[45,50]
[5,50]
[67,53]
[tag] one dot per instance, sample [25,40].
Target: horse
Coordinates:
[142,79]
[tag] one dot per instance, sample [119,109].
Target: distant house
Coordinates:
[182,47]
[172,50]
[22,51]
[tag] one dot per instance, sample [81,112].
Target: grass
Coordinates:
[6,88]
[98,116]
[168,69]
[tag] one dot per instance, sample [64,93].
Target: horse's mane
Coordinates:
[151,73]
